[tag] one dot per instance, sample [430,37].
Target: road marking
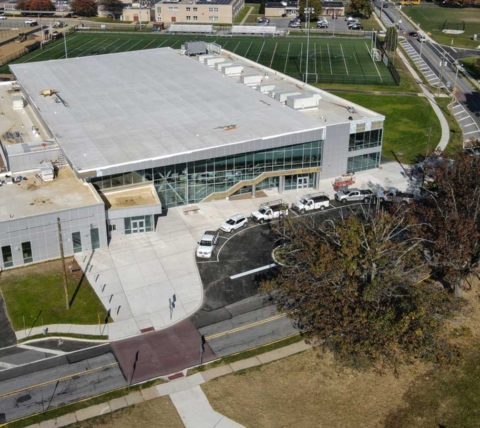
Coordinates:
[27,388]
[248,272]
[36,349]
[6,365]
[244,327]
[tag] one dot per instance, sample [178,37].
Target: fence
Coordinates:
[387,61]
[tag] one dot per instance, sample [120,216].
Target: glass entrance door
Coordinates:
[302,182]
[138,226]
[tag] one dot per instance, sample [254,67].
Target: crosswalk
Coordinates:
[427,72]
[468,125]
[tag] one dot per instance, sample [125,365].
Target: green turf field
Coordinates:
[433,19]
[329,60]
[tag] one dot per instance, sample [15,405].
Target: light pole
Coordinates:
[307,19]
[64,35]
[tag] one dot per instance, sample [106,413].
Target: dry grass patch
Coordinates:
[159,412]
[310,391]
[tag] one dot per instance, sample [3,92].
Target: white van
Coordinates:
[421,38]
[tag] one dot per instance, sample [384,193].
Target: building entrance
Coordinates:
[302,182]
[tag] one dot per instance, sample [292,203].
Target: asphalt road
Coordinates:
[247,331]
[36,392]
[432,54]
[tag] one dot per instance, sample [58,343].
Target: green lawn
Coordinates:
[471,65]
[36,293]
[242,14]
[330,60]
[432,20]
[254,15]
[408,119]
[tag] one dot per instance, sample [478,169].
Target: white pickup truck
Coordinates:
[395,195]
[207,244]
[353,195]
[270,211]
[318,201]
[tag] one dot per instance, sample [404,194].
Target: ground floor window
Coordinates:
[7,256]
[77,242]
[363,162]
[138,224]
[94,235]
[27,252]
[191,182]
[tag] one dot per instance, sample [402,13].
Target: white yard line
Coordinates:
[286,60]
[329,60]
[344,60]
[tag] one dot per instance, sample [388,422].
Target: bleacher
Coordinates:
[191,28]
[254,29]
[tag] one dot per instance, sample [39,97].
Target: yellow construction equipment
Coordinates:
[48,92]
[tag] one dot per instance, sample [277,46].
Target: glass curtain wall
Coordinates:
[191,182]
[363,162]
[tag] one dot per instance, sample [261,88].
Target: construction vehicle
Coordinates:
[270,211]
[353,195]
[343,182]
[318,201]
[48,92]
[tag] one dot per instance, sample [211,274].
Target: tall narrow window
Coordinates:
[77,242]
[94,235]
[27,252]
[7,256]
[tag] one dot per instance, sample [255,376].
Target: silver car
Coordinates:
[235,222]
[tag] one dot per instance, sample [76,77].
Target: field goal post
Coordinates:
[312,77]
[376,54]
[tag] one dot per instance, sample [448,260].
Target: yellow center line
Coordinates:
[245,327]
[27,388]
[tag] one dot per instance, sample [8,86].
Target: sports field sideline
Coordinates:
[330,60]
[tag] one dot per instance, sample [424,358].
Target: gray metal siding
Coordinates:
[335,151]
[41,232]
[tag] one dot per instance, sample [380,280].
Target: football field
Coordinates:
[328,60]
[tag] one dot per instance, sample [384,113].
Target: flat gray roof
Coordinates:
[132,106]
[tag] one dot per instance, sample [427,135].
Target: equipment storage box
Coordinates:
[212,61]
[251,79]
[233,70]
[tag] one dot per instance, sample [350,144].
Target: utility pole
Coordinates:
[62,255]
[440,76]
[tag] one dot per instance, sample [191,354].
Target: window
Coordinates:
[188,9]
[188,18]
[27,252]
[213,9]
[173,9]
[365,140]
[363,162]
[195,18]
[7,256]
[77,242]
[95,237]
[213,18]
[112,227]
[195,9]
[159,9]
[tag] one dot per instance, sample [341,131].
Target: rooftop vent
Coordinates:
[251,79]
[304,101]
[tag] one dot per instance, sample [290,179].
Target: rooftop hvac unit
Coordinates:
[18,102]
[265,89]
[212,61]
[220,65]
[282,96]
[299,102]
[251,79]
[233,70]
[46,169]
[203,58]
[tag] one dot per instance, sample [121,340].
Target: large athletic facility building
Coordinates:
[151,129]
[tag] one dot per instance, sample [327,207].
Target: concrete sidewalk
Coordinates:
[186,394]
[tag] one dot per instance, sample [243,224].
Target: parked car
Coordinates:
[352,23]
[235,222]
[472,151]
[356,27]
[294,24]
[353,195]
[264,21]
[322,24]
[395,195]
[3,17]
[413,34]
[31,22]
[207,244]
[270,211]
[318,201]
